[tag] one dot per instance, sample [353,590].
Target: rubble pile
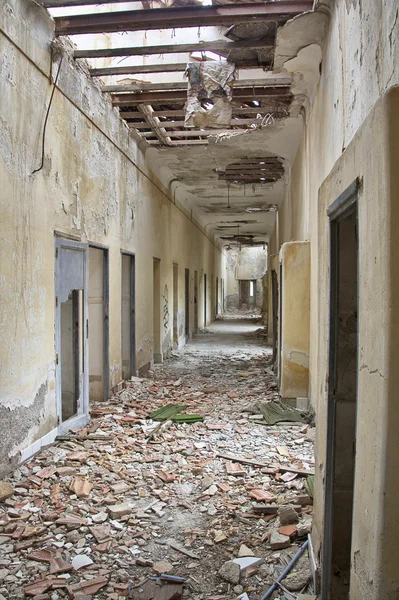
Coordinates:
[127,506]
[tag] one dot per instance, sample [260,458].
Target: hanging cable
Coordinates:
[47,116]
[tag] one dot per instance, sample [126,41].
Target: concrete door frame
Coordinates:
[105,250]
[78,279]
[345,205]
[132,309]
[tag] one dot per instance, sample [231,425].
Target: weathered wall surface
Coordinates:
[351,133]
[295,315]
[94,185]
[245,264]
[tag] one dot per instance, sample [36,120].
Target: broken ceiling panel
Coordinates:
[210,81]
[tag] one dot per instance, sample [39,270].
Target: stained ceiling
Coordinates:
[231,179]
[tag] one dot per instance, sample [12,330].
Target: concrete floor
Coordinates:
[223,374]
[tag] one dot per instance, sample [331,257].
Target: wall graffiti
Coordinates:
[165,308]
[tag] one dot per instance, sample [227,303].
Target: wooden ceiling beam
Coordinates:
[248,94]
[180,113]
[279,79]
[181,17]
[175,124]
[163,68]
[154,123]
[210,46]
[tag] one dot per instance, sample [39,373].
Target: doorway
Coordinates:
[217,296]
[156,304]
[195,301]
[71,333]
[98,324]
[342,397]
[175,305]
[187,304]
[274,314]
[205,292]
[128,319]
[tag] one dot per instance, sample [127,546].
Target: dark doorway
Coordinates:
[71,333]
[156,305]
[217,296]
[342,397]
[98,324]
[205,292]
[195,301]
[187,304]
[274,314]
[128,316]
[175,305]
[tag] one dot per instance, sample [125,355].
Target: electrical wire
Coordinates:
[47,116]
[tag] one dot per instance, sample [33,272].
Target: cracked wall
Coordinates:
[351,130]
[96,187]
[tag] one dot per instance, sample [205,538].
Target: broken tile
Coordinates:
[248,562]
[116,511]
[59,565]
[81,560]
[235,469]
[262,495]
[81,487]
[278,541]
[162,566]
[6,490]
[245,551]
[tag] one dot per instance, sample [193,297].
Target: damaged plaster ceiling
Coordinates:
[232,181]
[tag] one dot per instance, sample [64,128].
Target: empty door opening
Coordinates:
[217,296]
[342,397]
[187,304]
[205,292]
[72,341]
[98,325]
[175,304]
[128,319]
[157,310]
[195,301]
[252,293]
[71,333]
[274,314]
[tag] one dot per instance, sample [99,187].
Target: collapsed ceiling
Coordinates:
[223,176]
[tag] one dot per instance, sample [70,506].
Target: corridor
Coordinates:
[128,498]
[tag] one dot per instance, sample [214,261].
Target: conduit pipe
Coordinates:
[287,569]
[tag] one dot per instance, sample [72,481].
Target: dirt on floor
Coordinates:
[117,502]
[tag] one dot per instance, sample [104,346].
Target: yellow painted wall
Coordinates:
[95,185]
[351,130]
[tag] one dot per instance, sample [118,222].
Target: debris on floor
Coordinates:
[115,509]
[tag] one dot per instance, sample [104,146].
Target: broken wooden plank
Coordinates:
[243,461]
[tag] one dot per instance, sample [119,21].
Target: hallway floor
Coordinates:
[107,507]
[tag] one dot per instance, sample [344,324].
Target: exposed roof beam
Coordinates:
[212,46]
[66,3]
[162,68]
[181,143]
[133,70]
[180,113]
[193,133]
[174,124]
[175,18]
[154,123]
[181,95]
[279,79]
